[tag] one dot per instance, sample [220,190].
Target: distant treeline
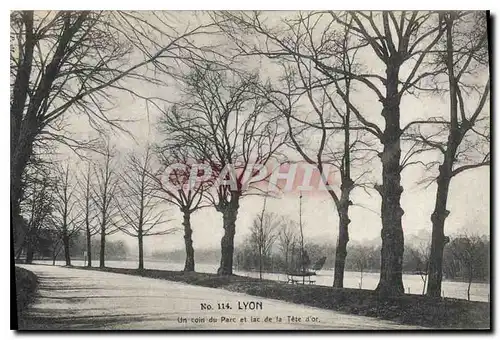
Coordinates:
[367,258]
[359,258]
[462,254]
[48,247]
[206,256]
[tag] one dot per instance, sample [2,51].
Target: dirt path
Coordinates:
[81,299]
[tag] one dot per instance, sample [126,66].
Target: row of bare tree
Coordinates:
[101,200]
[329,69]
[329,58]
[465,258]
[69,65]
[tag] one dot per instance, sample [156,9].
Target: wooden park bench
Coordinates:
[294,277]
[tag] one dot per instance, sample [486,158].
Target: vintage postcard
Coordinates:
[250,170]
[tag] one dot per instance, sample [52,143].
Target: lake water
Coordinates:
[413,283]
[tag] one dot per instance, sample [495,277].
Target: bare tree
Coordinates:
[139,207]
[263,234]
[188,198]
[360,257]
[404,40]
[105,198]
[36,209]
[66,215]
[420,251]
[88,208]
[467,249]
[55,245]
[224,122]
[287,239]
[463,140]
[341,145]
[65,63]
[424,252]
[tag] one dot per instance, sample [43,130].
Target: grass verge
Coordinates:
[26,286]
[408,309]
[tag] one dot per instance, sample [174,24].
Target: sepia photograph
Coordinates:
[250,170]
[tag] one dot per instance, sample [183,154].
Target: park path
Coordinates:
[71,298]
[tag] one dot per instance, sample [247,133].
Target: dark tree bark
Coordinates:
[105,192]
[343,239]
[64,227]
[229,216]
[440,212]
[89,247]
[439,239]
[66,217]
[67,256]
[188,202]
[391,276]
[18,162]
[140,226]
[458,128]
[103,247]
[470,281]
[141,250]
[343,204]
[188,241]
[21,83]
[19,148]
[86,200]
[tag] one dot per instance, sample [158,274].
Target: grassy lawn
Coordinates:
[407,309]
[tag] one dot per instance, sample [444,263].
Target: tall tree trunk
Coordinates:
[229,216]
[439,239]
[103,247]
[391,276]
[344,202]
[470,282]
[89,247]
[260,263]
[21,154]
[141,250]
[343,239]
[67,256]
[22,82]
[440,212]
[188,241]
[20,149]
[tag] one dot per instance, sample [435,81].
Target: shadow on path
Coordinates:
[63,303]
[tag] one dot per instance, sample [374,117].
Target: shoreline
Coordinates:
[457,280]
